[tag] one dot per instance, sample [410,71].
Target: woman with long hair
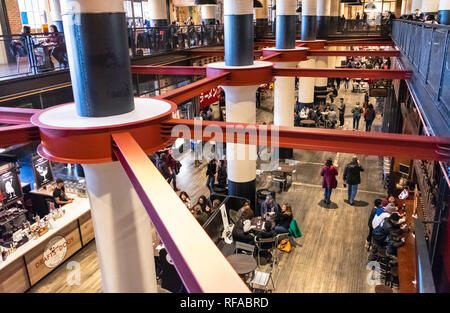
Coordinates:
[185,198]
[283,219]
[329,173]
[204,204]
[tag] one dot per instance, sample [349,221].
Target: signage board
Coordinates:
[42,169]
[10,186]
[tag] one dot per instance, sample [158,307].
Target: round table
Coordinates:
[308,123]
[242,263]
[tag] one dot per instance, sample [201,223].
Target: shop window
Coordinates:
[32,13]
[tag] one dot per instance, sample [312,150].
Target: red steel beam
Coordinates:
[343,73]
[18,134]
[187,92]
[200,264]
[168,70]
[351,53]
[361,43]
[16,116]
[272,58]
[381,144]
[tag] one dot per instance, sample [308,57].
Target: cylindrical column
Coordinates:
[334,17]
[430,6]
[444,12]
[408,6]
[306,86]
[158,13]
[240,104]
[323,16]
[416,5]
[309,11]
[285,30]
[238,18]
[321,83]
[284,97]
[332,59]
[56,15]
[122,229]
[97,49]
[209,14]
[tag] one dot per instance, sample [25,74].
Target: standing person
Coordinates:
[172,164]
[341,113]
[366,98]
[346,83]
[58,46]
[376,206]
[357,111]
[258,97]
[163,167]
[352,176]
[197,153]
[329,173]
[222,173]
[59,194]
[369,117]
[211,174]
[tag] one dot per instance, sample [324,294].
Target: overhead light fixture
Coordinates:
[257,4]
[205,2]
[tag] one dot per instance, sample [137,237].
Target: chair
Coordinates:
[280,177]
[244,247]
[260,281]
[260,242]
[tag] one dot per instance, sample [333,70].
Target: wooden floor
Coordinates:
[330,256]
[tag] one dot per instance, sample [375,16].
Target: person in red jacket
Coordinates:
[329,173]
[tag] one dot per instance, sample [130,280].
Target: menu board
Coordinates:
[42,169]
[10,186]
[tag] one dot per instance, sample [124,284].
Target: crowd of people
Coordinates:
[419,16]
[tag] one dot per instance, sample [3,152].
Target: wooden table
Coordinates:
[407,254]
[260,228]
[308,123]
[242,263]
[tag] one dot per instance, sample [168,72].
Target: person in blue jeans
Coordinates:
[211,174]
[357,112]
[352,176]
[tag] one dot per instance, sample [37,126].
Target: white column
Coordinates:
[56,14]
[209,12]
[284,97]
[416,5]
[158,10]
[332,59]
[122,231]
[321,62]
[241,108]
[430,6]
[306,84]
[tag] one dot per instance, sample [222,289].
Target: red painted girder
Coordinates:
[187,92]
[168,70]
[342,73]
[200,264]
[18,134]
[351,53]
[361,43]
[15,116]
[382,144]
[273,58]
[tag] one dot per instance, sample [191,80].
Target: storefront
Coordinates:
[36,236]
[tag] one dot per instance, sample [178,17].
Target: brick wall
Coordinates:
[15,23]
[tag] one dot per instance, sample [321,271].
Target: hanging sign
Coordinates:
[208,98]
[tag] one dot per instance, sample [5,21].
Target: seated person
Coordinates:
[241,231]
[245,212]
[203,202]
[269,207]
[185,198]
[304,113]
[266,234]
[332,117]
[59,194]
[313,115]
[215,205]
[283,219]
[200,215]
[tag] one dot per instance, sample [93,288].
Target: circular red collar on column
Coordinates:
[314,44]
[68,138]
[258,73]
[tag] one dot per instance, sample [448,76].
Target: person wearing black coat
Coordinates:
[352,177]
[222,173]
[369,117]
[241,232]
[387,235]
[211,174]
[283,219]
[376,205]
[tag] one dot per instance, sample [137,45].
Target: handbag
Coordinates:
[285,245]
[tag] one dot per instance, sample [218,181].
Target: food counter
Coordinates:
[32,261]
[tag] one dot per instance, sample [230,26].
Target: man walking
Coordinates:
[353,178]
[357,111]
[341,113]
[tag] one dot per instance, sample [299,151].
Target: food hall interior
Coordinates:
[345,189]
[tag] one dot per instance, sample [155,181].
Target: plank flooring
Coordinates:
[330,257]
